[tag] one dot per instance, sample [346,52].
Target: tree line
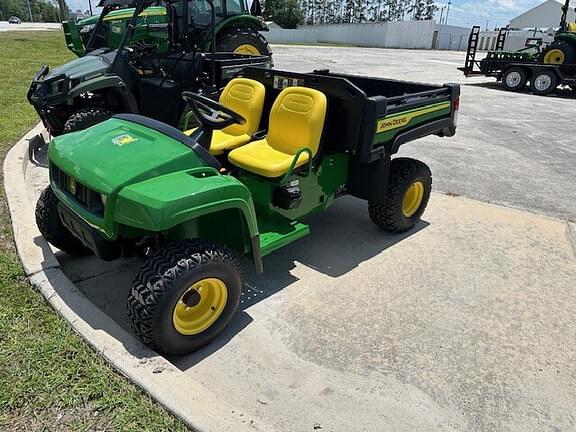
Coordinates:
[290,13]
[42,10]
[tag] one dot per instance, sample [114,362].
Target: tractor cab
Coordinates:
[106,30]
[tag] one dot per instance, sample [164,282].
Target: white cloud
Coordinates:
[496,12]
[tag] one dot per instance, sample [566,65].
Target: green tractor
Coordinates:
[563,49]
[276,148]
[147,77]
[237,30]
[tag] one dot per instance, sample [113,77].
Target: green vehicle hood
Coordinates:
[90,65]
[123,14]
[87,21]
[116,153]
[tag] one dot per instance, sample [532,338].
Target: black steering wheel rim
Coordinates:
[210,113]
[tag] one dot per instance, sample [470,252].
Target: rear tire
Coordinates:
[156,307]
[407,196]
[52,228]
[85,118]
[514,79]
[544,82]
[243,40]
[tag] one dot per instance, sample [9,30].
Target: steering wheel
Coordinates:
[211,114]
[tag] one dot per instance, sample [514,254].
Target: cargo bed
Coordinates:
[369,118]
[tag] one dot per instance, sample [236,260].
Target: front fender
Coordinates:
[163,203]
[107,82]
[567,36]
[247,20]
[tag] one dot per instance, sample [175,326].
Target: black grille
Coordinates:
[88,198]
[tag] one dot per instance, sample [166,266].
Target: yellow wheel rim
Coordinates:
[555,56]
[247,49]
[413,199]
[200,306]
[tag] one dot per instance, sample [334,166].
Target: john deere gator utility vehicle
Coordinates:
[147,77]
[237,30]
[276,148]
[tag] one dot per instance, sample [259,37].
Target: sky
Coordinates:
[478,12]
[462,12]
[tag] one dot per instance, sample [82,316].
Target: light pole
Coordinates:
[30,11]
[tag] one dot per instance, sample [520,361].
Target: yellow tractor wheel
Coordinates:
[560,52]
[242,40]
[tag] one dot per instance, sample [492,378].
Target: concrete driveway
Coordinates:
[465,324]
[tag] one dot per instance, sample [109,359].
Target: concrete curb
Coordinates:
[197,406]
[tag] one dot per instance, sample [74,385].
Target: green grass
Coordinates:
[49,378]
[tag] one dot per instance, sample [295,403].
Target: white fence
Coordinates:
[403,34]
[451,38]
[407,34]
[515,40]
[291,36]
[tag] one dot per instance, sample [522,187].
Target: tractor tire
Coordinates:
[409,188]
[559,52]
[185,296]
[242,40]
[514,79]
[544,82]
[51,227]
[86,117]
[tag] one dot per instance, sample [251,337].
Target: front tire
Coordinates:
[52,228]
[544,82]
[85,118]
[407,196]
[243,40]
[185,296]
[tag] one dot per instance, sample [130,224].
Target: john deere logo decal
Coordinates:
[72,186]
[400,120]
[393,123]
[122,140]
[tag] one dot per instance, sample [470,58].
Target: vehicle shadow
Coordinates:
[341,239]
[562,93]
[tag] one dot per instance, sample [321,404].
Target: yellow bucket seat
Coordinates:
[572,27]
[296,123]
[246,97]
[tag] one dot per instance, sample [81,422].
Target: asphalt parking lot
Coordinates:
[464,324]
[513,149]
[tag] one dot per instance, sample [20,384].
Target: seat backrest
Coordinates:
[246,97]
[297,119]
[572,27]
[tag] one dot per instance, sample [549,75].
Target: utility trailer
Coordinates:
[516,69]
